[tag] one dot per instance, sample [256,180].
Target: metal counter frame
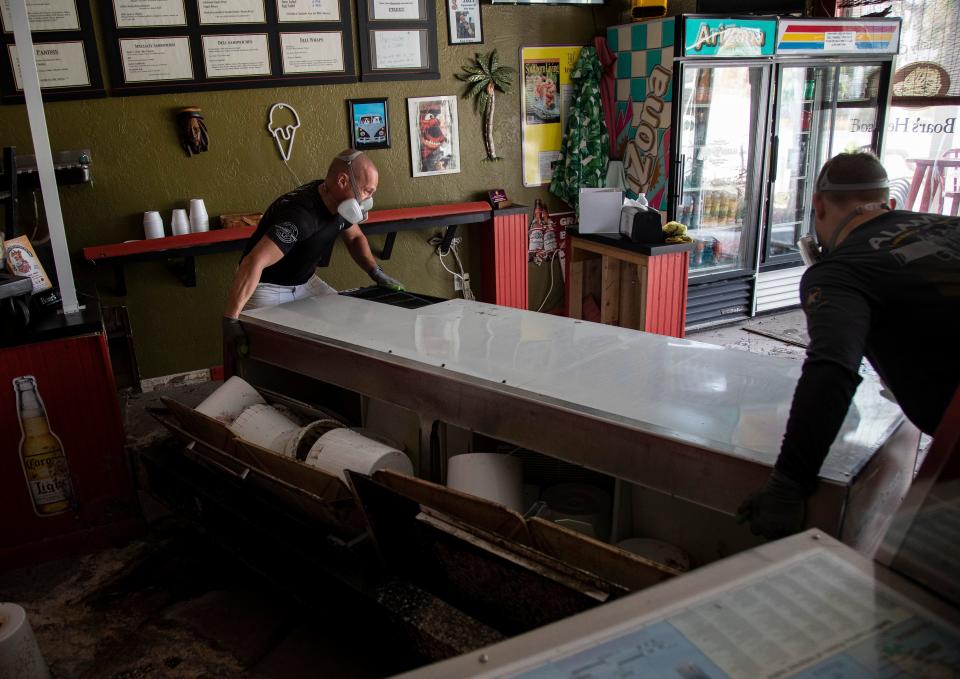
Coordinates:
[677,463]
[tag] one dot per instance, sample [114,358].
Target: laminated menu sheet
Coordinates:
[817,616]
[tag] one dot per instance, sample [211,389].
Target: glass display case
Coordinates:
[821,111]
[717,149]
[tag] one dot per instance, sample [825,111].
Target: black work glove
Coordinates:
[776,510]
[385,281]
[235,338]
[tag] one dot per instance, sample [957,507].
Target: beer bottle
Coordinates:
[41,452]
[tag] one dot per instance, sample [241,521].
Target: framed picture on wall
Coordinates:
[463,20]
[434,135]
[369,124]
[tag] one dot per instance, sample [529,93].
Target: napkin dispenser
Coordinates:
[640,225]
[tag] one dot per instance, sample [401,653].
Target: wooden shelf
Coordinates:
[188,246]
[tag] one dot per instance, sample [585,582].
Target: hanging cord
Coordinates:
[290,170]
[462,276]
[553,256]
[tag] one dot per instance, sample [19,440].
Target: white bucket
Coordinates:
[581,503]
[492,476]
[19,653]
[341,449]
[656,550]
[263,425]
[227,402]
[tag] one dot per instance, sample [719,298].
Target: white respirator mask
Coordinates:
[353,210]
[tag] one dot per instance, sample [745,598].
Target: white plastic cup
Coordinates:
[492,476]
[199,221]
[229,400]
[179,222]
[341,449]
[20,655]
[152,225]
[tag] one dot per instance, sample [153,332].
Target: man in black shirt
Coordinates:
[887,286]
[296,235]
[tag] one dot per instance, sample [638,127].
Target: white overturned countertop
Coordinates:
[731,401]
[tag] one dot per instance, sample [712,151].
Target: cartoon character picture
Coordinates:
[19,263]
[435,145]
[369,124]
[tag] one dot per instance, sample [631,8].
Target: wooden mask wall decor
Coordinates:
[193,131]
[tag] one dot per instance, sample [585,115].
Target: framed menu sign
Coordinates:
[398,40]
[231,12]
[149,13]
[64,47]
[236,56]
[44,15]
[156,59]
[158,46]
[298,11]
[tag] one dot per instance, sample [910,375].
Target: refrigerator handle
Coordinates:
[680,164]
[774,156]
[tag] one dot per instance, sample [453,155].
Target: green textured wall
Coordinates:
[138,165]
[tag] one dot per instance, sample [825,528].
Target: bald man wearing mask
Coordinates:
[886,285]
[297,233]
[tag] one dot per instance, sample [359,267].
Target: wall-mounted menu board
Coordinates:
[65,48]
[158,46]
[398,40]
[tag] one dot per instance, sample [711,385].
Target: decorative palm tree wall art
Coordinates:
[485,75]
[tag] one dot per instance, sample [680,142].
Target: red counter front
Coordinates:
[74,379]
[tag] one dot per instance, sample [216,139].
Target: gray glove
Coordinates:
[776,510]
[234,337]
[385,281]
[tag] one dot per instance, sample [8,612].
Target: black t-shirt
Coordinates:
[303,228]
[891,292]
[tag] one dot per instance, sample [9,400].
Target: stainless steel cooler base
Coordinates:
[693,421]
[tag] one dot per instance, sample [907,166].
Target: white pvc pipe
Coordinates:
[41,148]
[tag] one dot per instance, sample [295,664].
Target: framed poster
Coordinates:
[463,21]
[369,124]
[434,135]
[544,104]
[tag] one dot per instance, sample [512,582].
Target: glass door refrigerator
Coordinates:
[831,89]
[725,123]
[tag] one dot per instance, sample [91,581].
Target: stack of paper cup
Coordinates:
[264,426]
[341,449]
[199,221]
[179,223]
[232,398]
[152,225]
[19,653]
